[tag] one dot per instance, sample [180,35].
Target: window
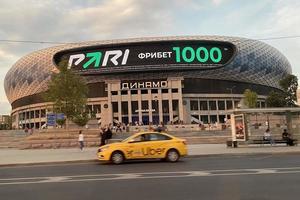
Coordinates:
[195,119]
[157,137]
[134,107]
[213,119]
[124,107]
[43,113]
[221,105]
[203,105]
[114,93]
[164,90]
[144,91]
[134,91]
[115,107]
[140,138]
[212,105]
[124,92]
[37,114]
[97,108]
[204,119]
[155,106]
[175,105]
[222,118]
[229,105]
[174,90]
[154,91]
[145,105]
[165,106]
[194,105]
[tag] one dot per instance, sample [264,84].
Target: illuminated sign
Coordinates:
[148,56]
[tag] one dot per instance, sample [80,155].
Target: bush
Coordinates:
[81,119]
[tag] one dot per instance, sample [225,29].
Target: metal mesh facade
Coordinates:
[255,62]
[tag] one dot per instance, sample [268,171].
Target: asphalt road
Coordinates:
[215,177]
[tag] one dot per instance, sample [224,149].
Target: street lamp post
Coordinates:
[231,89]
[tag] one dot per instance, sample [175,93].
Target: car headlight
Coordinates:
[103,149]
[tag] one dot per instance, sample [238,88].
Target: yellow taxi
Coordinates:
[144,145]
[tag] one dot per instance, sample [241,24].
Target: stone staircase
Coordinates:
[61,138]
[11,138]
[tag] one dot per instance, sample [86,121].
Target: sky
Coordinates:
[88,20]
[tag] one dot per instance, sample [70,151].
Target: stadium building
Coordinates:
[150,80]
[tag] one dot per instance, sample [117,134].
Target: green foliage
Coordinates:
[61,122]
[275,99]
[289,84]
[250,98]
[81,119]
[67,91]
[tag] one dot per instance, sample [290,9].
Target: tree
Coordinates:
[67,91]
[81,119]
[289,84]
[250,98]
[61,122]
[275,99]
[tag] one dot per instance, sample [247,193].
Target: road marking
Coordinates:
[147,175]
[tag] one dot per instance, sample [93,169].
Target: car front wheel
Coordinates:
[117,158]
[172,155]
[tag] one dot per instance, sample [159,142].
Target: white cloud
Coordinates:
[5,108]
[76,20]
[218,2]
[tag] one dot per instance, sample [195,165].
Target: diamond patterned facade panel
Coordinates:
[255,62]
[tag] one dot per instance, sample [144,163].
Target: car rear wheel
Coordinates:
[117,157]
[172,155]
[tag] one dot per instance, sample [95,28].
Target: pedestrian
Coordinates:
[81,140]
[108,134]
[287,137]
[30,131]
[268,137]
[102,136]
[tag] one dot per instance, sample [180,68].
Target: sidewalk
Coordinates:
[14,156]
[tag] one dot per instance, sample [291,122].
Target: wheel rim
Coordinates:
[173,156]
[117,158]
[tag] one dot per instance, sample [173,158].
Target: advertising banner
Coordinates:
[52,117]
[239,127]
[148,56]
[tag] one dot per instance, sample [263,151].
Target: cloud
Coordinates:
[5,108]
[77,20]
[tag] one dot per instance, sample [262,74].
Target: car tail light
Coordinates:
[184,142]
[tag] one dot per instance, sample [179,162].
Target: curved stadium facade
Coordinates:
[150,80]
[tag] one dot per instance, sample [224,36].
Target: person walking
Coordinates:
[81,140]
[102,136]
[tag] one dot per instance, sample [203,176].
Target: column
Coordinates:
[160,114]
[119,106]
[150,110]
[180,104]
[129,107]
[110,113]
[170,104]
[140,105]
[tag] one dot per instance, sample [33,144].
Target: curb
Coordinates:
[188,156]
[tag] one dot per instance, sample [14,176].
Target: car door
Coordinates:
[135,147]
[156,146]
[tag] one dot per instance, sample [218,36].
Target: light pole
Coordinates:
[231,89]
